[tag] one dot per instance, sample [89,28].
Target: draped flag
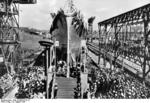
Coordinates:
[60,17]
[91,19]
[79,25]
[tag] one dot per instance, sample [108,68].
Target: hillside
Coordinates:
[29,43]
[29,37]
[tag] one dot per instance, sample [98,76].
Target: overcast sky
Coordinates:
[38,15]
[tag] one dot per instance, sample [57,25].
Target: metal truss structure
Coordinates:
[127,35]
[9,33]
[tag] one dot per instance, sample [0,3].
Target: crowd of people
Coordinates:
[31,83]
[7,82]
[115,84]
[77,92]
[61,69]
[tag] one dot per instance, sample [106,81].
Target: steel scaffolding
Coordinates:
[127,35]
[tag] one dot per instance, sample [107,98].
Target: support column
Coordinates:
[111,50]
[116,48]
[46,56]
[47,63]
[99,44]
[146,21]
[105,32]
[123,46]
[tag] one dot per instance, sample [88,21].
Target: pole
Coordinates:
[123,46]
[105,45]
[99,44]
[116,48]
[146,25]
[47,62]
[68,44]
[55,56]
[51,70]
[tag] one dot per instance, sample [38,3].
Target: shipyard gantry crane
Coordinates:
[9,33]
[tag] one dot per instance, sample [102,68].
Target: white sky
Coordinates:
[38,15]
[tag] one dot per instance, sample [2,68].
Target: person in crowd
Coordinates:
[1,92]
[55,90]
[85,95]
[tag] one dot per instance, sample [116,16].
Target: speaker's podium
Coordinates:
[48,59]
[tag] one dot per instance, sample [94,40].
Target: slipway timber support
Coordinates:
[128,37]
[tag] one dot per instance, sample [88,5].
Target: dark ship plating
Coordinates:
[69,29]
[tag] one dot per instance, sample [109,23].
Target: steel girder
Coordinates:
[130,16]
[9,34]
[125,26]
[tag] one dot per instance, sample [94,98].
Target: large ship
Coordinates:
[69,29]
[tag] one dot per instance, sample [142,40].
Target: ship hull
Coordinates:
[65,33]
